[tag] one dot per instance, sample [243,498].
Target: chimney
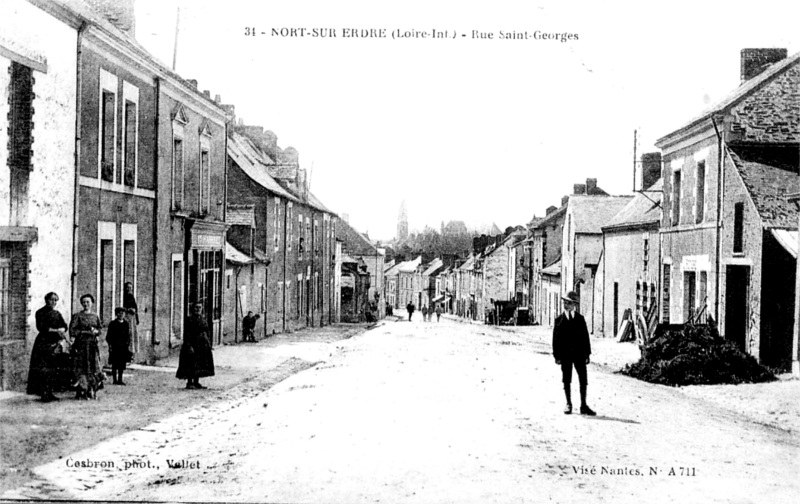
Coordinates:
[346,218]
[755,61]
[651,169]
[591,185]
[217,99]
[207,94]
[579,189]
[550,210]
[564,200]
[192,83]
[119,13]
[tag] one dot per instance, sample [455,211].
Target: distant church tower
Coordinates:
[402,223]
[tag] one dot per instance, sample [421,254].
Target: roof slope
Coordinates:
[353,242]
[746,89]
[643,209]
[769,187]
[591,213]
[249,160]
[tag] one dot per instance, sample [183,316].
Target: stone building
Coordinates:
[550,304]
[582,246]
[358,247]
[726,174]
[629,270]
[293,230]
[546,240]
[38,92]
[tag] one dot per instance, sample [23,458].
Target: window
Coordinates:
[107,136]
[5,298]
[638,297]
[703,290]
[130,144]
[290,223]
[300,232]
[176,300]
[665,295]
[276,223]
[738,228]
[646,253]
[676,199]
[177,173]
[569,229]
[204,183]
[106,270]
[20,139]
[700,201]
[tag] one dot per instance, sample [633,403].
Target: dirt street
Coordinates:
[448,412]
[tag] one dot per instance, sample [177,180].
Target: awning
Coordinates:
[232,254]
[438,298]
[787,239]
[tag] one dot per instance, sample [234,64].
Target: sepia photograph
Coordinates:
[351,251]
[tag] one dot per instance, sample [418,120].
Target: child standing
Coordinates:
[118,337]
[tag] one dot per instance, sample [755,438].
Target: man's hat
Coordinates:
[572,297]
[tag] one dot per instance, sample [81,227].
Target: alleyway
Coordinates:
[448,412]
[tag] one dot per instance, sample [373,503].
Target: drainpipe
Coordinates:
[153,338]
[77,158]
[720,188]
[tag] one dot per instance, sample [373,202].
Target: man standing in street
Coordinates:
[571,347]
[410,308]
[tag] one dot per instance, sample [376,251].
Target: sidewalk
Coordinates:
[33,432]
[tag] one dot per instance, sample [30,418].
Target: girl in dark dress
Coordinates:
[88,371]
[118,337]
[52,329]
[196,360]
[132,316]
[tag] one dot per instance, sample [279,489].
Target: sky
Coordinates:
[484,130]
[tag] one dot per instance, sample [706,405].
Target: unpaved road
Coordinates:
[448,412]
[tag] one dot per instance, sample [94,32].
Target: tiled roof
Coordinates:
[353,242]
[770,113]
[234,255]
[248,159]
[769,187]
[591,213]
[409,266]
[554,269]
[643,209]
[433,266]
[548,220]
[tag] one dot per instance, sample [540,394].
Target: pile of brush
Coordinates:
[695,355]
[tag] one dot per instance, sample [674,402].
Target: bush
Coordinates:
[695,355]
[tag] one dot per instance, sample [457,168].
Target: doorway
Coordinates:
[737,287]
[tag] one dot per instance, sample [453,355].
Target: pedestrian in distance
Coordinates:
[571,348]
[43,371]
[132,316]
[88,370]
[196,360]
[424,313]
[249,327]
[118,336]
[410,309]
[438,312]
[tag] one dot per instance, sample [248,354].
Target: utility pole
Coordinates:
[175,47]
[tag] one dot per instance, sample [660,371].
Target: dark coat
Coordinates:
[42,372]
[118,336]
[196,359]
[571,338]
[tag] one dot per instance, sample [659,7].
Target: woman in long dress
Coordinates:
[85,327]
[196,360]
[52,328]
[132,316]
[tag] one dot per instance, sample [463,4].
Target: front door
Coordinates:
[737,286]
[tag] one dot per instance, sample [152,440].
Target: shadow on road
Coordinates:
[613,419]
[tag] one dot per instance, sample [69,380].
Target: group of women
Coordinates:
[68,356]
